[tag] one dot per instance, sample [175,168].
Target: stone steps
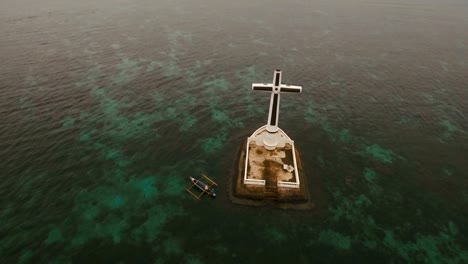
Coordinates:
[271,192]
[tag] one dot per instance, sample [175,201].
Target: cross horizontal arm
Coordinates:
[291,88]
[262,87]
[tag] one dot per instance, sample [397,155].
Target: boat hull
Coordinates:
[203,186]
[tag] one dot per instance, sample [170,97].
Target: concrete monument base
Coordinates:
[270,193]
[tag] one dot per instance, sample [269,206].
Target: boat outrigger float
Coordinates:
[204,187]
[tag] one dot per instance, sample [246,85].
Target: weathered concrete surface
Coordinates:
[284,198]
[268,164]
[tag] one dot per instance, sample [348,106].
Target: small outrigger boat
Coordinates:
[204,187]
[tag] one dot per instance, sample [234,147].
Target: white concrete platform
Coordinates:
[275,167]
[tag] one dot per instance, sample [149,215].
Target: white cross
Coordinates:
[276,88]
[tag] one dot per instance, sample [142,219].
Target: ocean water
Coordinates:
[107,107]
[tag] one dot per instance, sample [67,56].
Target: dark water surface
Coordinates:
[107,107]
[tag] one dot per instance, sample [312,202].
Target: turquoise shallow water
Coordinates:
[107,108]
